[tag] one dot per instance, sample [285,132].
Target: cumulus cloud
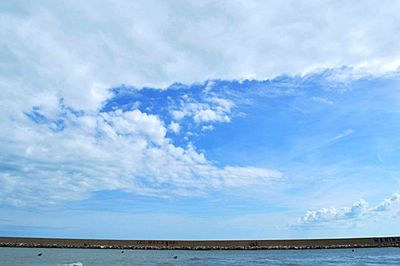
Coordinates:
[174,127]
[358,211]
[386,204]
[333,214]
[178,115]
[208,110]
[207,128]
[117,150]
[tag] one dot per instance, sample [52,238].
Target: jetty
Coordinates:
[201,244]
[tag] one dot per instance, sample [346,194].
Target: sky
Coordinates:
[199,119]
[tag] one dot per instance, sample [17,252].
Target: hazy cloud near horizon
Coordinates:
[359,211]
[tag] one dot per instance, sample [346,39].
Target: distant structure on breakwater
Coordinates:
[202,244]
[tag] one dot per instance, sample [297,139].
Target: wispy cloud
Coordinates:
[342,135]
[322,100]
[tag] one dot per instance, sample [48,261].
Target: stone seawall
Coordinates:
[201,244]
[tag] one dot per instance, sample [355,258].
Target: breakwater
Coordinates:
[201,244]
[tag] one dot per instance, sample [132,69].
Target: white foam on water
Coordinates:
[73,264]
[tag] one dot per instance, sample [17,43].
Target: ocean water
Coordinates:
[98,257]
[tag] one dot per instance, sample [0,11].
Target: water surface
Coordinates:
[79,257]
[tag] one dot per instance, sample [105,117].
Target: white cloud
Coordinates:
[342,135]
[333,214]
[358,211]
[178,115]
[222,104]
[207,128]
[174,127]
[79,49]
[209,110]
[76,50]
[126,151]
[208,115]
[386,204]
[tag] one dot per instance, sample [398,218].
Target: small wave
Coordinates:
[73,264]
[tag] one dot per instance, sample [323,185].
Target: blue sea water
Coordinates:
[98,257]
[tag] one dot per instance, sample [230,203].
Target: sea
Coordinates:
[109,257]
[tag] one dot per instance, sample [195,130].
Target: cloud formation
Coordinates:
[104,102]
[50,160]
[358,211]
[210,111]
[78,50]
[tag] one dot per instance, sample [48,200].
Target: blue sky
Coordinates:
[199,121]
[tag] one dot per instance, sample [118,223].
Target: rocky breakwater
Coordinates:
[201,244]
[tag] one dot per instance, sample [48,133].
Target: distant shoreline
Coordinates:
[329,243]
